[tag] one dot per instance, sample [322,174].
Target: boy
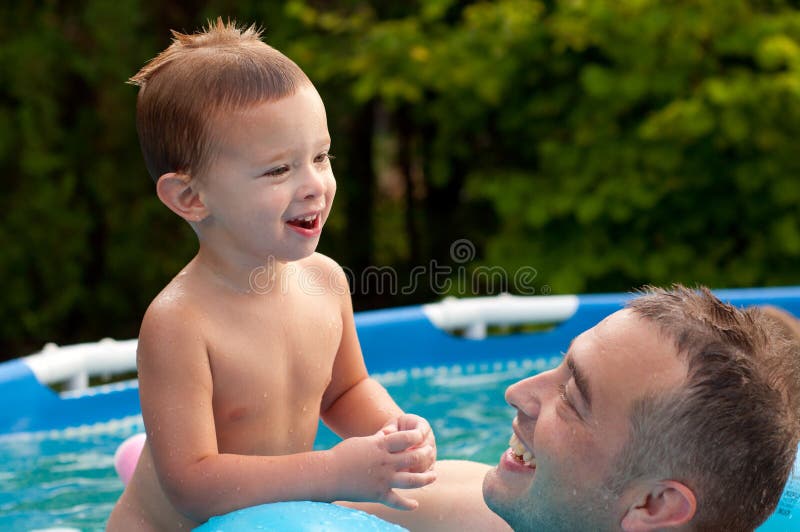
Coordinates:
[254,339]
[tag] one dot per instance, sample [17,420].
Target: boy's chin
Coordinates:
[294,255]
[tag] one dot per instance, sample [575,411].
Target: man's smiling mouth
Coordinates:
[521,454]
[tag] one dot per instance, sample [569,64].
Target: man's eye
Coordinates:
[275,172]
[562,393]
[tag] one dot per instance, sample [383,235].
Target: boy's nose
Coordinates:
[313,185]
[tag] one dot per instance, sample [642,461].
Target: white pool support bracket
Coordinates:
[74,364]
[474,315]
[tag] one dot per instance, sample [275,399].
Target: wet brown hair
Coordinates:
[191,84]
[730,433]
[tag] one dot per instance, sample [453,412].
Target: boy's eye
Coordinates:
[275,172]
[322,157]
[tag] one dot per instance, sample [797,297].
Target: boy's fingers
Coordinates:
[417,460]
[402,440]
[406,480]
[406,422]
[409,422]
[389,429]
[394,500]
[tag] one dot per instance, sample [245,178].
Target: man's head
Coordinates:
[188,88]
[677,411]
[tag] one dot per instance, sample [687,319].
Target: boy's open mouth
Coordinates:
[309,221]
[521,454]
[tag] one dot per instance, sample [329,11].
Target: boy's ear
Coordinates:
[178,192]
[658,505]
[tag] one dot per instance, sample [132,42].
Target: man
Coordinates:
[678,412]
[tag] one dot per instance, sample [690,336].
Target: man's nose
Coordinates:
[527,395]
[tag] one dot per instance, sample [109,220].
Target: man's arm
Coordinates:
[454,503]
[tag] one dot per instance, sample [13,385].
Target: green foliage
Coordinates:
[606,143]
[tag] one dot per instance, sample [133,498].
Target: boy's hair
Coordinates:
[194,81]
[731,431]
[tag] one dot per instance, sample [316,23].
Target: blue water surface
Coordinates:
[67,479]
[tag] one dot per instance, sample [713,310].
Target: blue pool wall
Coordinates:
[392,340]
[399,338]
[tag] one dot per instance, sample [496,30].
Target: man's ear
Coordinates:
[659,504]
[178,192]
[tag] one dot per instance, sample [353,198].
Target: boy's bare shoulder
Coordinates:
[327,271]
[323,262]
[174,312]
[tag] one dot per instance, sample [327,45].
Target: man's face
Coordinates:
[573,420]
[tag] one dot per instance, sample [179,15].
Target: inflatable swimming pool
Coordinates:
[400,340]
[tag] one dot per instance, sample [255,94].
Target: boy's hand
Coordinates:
[415,422]
[368,468]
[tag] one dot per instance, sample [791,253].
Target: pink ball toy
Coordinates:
[127,455]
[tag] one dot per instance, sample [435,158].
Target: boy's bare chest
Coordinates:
[271,364]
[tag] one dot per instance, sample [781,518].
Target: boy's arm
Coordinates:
[354,404]
[176,391]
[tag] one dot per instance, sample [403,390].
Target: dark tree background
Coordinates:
[600,144]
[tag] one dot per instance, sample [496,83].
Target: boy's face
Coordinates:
[270,188]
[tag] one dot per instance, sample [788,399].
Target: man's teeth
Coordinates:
[520,452]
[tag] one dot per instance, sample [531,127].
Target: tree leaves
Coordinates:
[604,143]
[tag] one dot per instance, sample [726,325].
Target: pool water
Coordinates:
[68,480]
